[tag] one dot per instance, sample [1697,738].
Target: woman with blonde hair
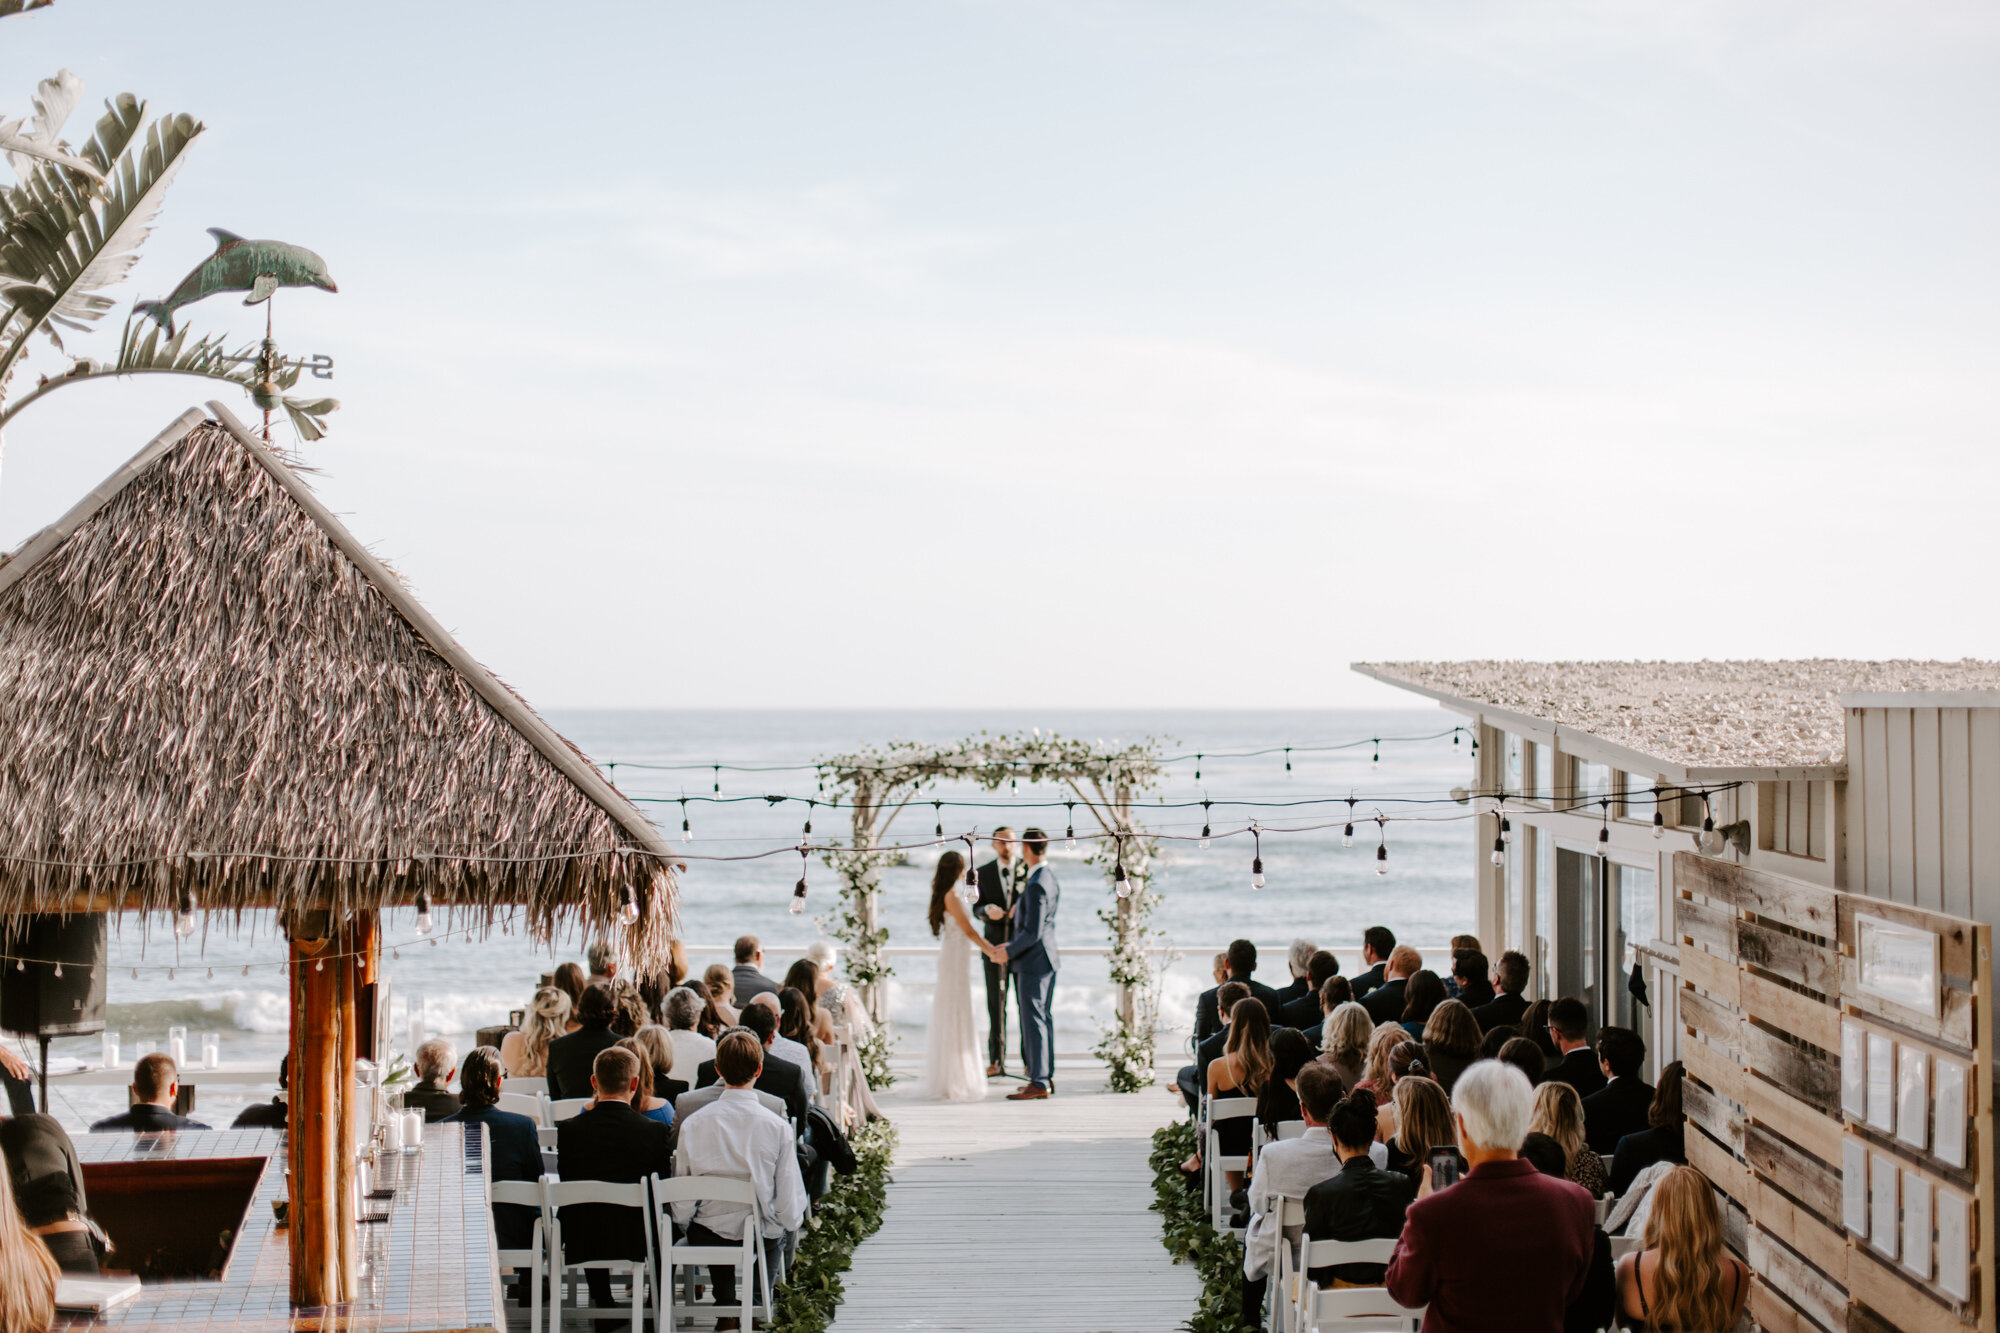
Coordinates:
[1423,1125]
[1676,1284]
[28,1272]
[1559,1114]
[1451,1042]
[656,1044]
[525,1053]
[1344,1042]
[1378,1075]
[721,983]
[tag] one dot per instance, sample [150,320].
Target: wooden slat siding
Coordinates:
[1717,1068]
[1875,763]
[1814,966]
[1723,1171]
[1791,1011]
[1778,898]
[1717,976]
[1735,1226]
[1902,812]
[1714,927]
[1774,1314]
[1814,1081]
[1822,799]
[1955,808]
[1716,1022]
[1853,854]
[1984,760]
[1926,836]
[1796,1172]
[1821,1245]
[1798,1282]
[1798,808]
[1721,1119]
[1899,1302]
[1814,1131]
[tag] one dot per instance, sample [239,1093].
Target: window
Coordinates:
[1637,790]
[1589,783]
[1511,747]
[1635,919]
[1545,908]
[1518,933]
[1545,772]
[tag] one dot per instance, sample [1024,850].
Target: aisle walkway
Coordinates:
[1021,1215]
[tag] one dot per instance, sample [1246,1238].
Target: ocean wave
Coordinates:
[269,1012]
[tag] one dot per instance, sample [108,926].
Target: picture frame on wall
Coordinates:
[1882,1082]
[1854,1186]
[1949,1091]
[1898,963]
[1853,1069]
[1954,1245]
[1916,1226]
[1885,1178]
[1913,1096]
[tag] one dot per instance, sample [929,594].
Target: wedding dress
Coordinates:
[954,1068]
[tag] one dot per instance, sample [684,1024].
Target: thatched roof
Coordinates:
[205,680]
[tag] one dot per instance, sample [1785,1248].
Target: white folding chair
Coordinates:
[746,1257]
[1291,1129]
[1313,1305]
[559,1194]
[524,1103]
[564,1108]
[1624,1245]
[531,1264]
[1604,1206]
[528,1087]
[843,1089]
[1214,1163]
[1290,1213]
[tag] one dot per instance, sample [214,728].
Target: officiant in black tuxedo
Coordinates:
[994,908]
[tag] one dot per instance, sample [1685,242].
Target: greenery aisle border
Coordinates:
[850,1212]
[1185,1230]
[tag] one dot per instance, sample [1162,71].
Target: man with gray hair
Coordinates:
[1298,958]
[1535,1232]
[602,955]
[691,1048]
[435,1063]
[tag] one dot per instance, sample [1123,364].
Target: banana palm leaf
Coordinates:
[55,98]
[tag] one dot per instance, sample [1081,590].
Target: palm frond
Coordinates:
[145,349]
[22,6]
[41,140]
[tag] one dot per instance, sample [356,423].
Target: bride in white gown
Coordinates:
[953,1067]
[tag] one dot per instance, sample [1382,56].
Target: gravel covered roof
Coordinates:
[1693,714]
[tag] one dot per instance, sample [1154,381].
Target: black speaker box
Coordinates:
[35,999]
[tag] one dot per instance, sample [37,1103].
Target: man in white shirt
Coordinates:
[736,1136]
[1286,1170]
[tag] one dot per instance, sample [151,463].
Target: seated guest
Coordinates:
[795,1030]
[1242,1071]
[610,1141]
[658,1049]
[1307,1009]
[1683,1279]
[1334,993]
[777,1076]
[1298,960]
[1508,1008]
[569,979]
[1423,993]
[1348,1031]
[628,1009]
[719,989]
[1525,1056]
[274,1114]
[1620,1106]
[1423,1125]
[1279,1101]
[1559,1114]
[1385,1002]
[683,1013]
[803,976]
[525,1053]
[1593,1309]
[1451,1042]
[1459,944]
[1406,1060]
[1533,1263]
[513,1151]
[1361,1201]
[654,1108]
[47,1182]
[735,1136]
[1490,1042]
[1287,1170]
[573,1057]
[1193,1078]
[155,1087]
[1377,943]
[689,1102]
[747,978]
[1242,962]
[602,955]
[28,1272]
[782,1046]
[1663,1141]
[1379,1075]
[1576,1064]
[1468,978]
[1535,1027]
[435,1063]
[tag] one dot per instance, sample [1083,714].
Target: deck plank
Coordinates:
[1021,1214]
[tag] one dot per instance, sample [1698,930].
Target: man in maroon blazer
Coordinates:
[1534,1232]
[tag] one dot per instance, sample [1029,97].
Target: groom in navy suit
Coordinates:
[1031,956]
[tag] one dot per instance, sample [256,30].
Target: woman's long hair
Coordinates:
[1348,1031]
[547,1018]
[570,980]
[1423,994]
[1559,1114]
[1666,1112]
[629,1009]
[1535,1027]
[795,1021]
[1382,1043]
[1684,1230]
[950,870]
[656,1049]
[710,1023]
[28,1272]
[804,977]
[1423,1120]
[1452,1030]
[1250,1042]
[644,1059]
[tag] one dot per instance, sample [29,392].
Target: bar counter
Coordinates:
[427,1266]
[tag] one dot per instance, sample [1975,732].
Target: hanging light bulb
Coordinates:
[424,922]
[246,969]
[59,967]
[937,808]
[1499,850]
[1382,848]
[170,973]
[718,779]
[1604,828]
[810,804]
[1378,752]
[687,830]
[135,974]
[184,918]
[628,911]
[21,965]
[1069,828]
[971,875]
[1347,834]
[1288,758]
[211,971]
[798,904]
[1120,885]
[319,965]
[1203,844]
[1257,857]
[1197,768]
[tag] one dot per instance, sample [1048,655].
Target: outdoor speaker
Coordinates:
[37,999]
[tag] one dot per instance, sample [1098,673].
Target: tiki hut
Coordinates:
[213,698]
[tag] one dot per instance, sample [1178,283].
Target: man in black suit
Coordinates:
[155,1086]
[1304,1011]
[274,1114]
[994,908]
[1242,962]
[1508,1007]
[572,1057]
[1336,992]
[1192,1079]
[1298,960]
[1569,1026]
[1385,1002]
[749,979]
[779,1077]
[1620,1107]
[1377,943]
[610,1141]
[435,1063]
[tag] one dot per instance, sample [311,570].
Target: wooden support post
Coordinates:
[315,1102]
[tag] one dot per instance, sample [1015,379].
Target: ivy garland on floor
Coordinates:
[1185,1230]
[848,1214]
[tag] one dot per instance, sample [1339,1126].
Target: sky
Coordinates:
[1097,353]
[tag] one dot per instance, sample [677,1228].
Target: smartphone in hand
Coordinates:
[1446,1167]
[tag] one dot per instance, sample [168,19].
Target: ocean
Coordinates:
[1315,888]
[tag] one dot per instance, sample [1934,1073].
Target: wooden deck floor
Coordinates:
[1021,1215]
